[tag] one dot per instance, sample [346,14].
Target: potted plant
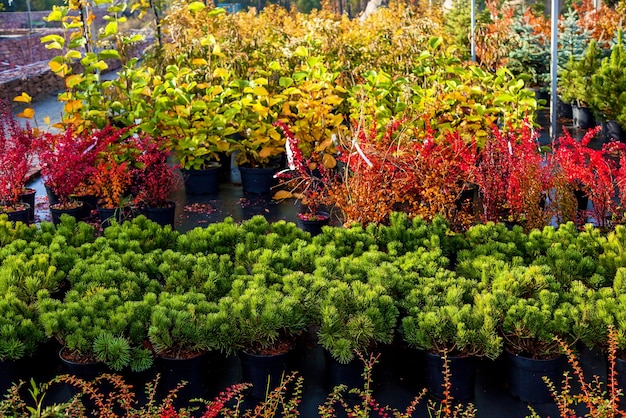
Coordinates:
[67,161]
[608,304]
[111,180]
[16,159]
[608,91]
[307,180]
[366,160]
[261,323]
[25,275]
[312,111]
[20,330]
[443,170]
[492,177]
[182,329]
[529,54]
[182,326]
[355,316]
[448,315]
[21,335]
[575,86]
[617,151]
[573,40]
[603,309]
[98,327]
[196,114]
[154,180]
[587,173]
[260,146]
[535,309]
[513,178]
[118,266]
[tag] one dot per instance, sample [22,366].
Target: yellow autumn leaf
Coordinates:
[265,152]
[260,91]
[28,113]
[334,100]
[73,106]
[286,110]
[276,136]
[58,68]
[273,101]
[323,145]
[221,72]
[223,146]
[329,161]
[73,80]
[46,120]
[261,110]
[196,6]
[282,195]
[336,120]
[70,55]
[301,51]
[199,61]
[23,98]
[217,50]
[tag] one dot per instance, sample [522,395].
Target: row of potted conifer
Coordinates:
[142,292]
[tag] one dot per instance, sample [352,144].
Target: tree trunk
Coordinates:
[372,6]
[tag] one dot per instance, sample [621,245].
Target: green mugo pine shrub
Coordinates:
[20,330]
[355,316]
[99,325]
[26,276]
[183,325]
[261,318]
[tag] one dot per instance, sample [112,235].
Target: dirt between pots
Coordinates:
[279,347]
[75,357]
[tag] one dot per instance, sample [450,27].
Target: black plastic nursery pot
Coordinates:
[53,199]
[620,370]
[28,196]
[582,117]
[564,110]
[90,203]
[264,372]
[7,375]
[525,377]
[314,226]
[200,182]
[193,370]
[462,376]
[163,216]
[257,180]
[85,371]
[611,130]
[349,374]
[20,214]
[107,215]
[75,212]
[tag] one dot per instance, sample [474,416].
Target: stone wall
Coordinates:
[19,20]
[35,79]
[24,50]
